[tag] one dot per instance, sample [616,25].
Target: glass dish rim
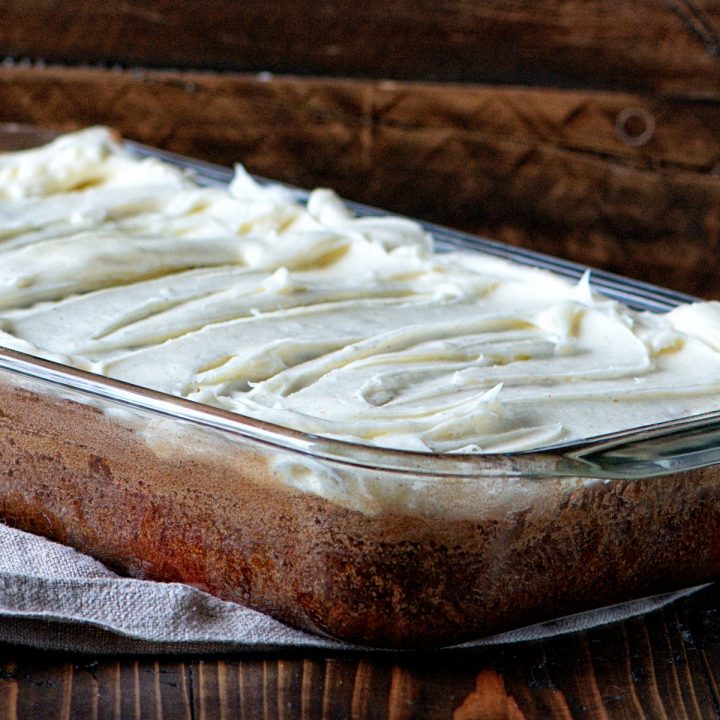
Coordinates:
[658,449]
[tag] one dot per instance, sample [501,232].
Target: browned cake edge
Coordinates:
[225,523]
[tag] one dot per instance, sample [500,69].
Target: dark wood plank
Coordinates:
[700,622]
[289,689]
[311,701]
[662,665]
[561,171]
[489,699]
[172,681]
[644,667]
[645,45]
[8,688]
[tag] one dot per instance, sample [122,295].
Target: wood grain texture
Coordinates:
[561,171]
[661,665]
[641,45]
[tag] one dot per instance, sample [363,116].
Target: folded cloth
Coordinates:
[55,598]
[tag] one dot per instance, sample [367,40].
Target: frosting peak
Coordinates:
[312,318]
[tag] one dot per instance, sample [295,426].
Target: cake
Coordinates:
[393,510]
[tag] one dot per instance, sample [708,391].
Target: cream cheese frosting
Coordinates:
[306,316]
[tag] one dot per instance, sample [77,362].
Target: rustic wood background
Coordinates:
[657,46]
[585,128]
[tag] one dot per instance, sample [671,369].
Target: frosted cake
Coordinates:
[243,299]
[308,317]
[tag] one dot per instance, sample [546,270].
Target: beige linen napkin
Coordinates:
[53,597]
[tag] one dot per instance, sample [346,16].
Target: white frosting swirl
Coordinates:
[311,318]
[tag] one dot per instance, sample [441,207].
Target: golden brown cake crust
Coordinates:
[226,524]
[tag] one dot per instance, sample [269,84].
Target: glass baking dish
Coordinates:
[380,547]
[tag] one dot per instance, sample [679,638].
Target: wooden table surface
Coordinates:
[665,664]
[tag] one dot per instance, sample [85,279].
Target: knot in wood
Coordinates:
[635,126]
